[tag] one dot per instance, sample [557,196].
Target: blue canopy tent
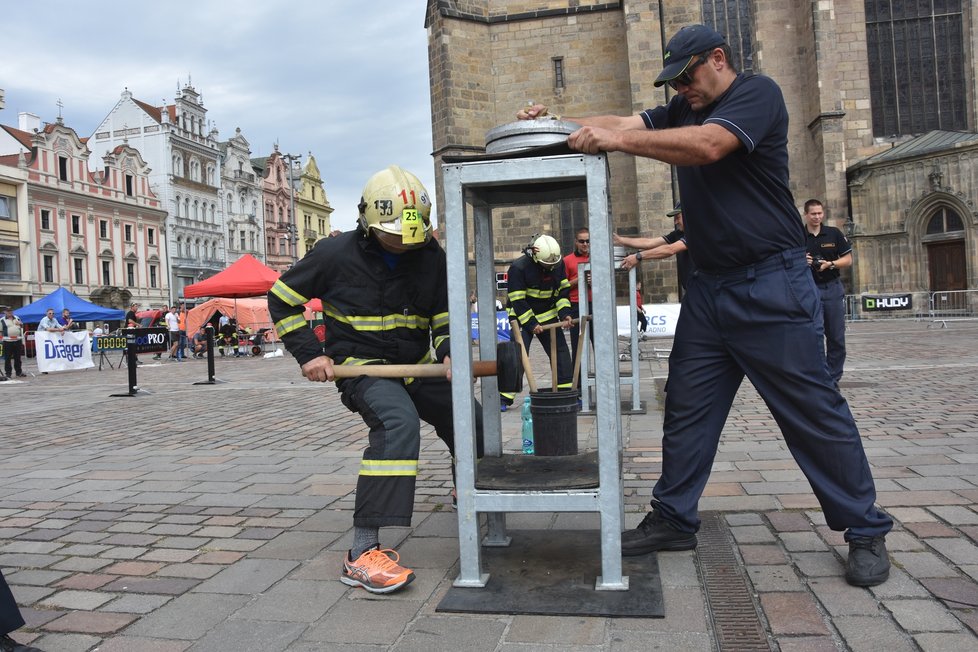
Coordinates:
[60,299]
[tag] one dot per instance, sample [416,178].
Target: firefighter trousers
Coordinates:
[393,411]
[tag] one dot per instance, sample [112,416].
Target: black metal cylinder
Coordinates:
[554,422]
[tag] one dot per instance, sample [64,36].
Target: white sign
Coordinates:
[662,319]
[63,351]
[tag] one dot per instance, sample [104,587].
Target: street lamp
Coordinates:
[293,227]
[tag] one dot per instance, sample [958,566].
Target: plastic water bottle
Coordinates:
[527,427]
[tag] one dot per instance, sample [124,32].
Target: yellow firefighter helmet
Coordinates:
[546,251]
[395,202]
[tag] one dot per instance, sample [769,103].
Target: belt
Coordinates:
[784,259]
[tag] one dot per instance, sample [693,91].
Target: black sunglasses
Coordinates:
[686,76]
[584,241]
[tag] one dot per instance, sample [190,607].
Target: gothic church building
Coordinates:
[881,95]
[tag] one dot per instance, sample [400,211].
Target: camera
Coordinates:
[817,262]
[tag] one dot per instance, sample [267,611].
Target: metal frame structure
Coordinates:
[587,380]
[482,185]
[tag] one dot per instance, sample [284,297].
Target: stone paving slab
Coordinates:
[229,535]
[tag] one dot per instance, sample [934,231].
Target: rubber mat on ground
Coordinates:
[553,573]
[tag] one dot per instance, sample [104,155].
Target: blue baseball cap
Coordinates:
[686,44]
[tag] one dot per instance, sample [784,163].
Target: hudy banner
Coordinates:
[63,351]
[873,303]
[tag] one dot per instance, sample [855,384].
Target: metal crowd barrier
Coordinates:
[937,307]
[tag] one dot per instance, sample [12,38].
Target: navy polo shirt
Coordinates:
[739,210]
[830,244]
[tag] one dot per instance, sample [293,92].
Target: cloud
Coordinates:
[349,85]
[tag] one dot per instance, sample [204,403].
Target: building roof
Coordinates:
[929,143]
[22,137]
[156,112]
[260,164]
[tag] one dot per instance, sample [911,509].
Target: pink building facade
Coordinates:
[99,234]
[277,200]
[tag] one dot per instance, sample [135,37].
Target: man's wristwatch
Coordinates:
[832,264]
[638,256]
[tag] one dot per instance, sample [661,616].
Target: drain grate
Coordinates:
[736,624]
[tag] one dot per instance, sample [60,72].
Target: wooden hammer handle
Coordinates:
[479,368]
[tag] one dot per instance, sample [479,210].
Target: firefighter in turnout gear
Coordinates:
[539,294]
[384,292]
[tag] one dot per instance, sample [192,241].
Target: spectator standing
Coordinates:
[643,320]
[386,285]
[827,252]
[751,307]
[182,323]
[50,323]
[67,323]
[132,320]
[581,254]
[164,310]
[173,328]
[13,343]
[539,294]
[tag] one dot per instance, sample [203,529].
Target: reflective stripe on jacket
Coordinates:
[371,312]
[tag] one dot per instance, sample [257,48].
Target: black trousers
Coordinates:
[10,618]
[12,352]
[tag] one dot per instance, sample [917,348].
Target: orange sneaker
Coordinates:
[377,571]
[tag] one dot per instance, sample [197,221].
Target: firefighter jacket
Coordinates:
[537,296]
[373,314]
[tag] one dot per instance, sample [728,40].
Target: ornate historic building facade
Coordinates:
[99,234]
[859,77]
[241,195]
[312,208]
[277,199]
[183,155]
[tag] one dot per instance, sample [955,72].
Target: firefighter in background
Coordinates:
[539,294]
[384,292]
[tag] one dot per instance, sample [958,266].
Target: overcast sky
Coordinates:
[347,81]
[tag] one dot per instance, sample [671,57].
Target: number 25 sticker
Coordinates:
[412,229]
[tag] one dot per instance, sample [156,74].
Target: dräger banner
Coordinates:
[887,302]
[60,352]
[662,318]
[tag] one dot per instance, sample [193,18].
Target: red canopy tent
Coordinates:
[246,277]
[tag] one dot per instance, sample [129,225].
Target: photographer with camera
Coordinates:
[828,250]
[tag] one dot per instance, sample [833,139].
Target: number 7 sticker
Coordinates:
[412,228]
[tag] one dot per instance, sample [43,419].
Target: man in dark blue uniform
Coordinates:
[751,306]
[661,247]
[829,251]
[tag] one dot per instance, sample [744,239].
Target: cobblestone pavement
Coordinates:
[214,517]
